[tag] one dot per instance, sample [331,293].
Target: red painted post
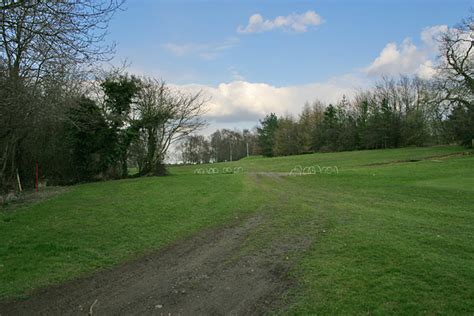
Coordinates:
[36,183]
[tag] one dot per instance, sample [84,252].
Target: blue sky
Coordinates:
[315,50]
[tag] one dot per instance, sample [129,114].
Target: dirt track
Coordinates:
[204,274]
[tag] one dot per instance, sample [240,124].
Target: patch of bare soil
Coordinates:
[196,276]
[433,158]
[31,197]
[272,175]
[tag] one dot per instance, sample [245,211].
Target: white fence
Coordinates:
[224,170]
[312,170]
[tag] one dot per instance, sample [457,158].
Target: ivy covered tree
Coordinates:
[120,94]
[88,137]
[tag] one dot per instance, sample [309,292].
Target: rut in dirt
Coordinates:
[203,274]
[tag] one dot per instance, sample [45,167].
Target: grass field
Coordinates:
[393,232]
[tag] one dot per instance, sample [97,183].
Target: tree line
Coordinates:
[222,145]
[59,111]
[396,113]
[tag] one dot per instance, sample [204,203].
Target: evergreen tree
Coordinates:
[266,134]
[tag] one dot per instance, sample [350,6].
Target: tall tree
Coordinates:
[288,139]
[456,77]
[120,94]
[266,134]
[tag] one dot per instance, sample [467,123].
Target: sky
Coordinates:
[251,58]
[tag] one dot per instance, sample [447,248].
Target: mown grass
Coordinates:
[384,238]
[393,244]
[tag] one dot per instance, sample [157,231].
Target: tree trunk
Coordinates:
[124,165]
[8,165]
[150,154]
[159,168]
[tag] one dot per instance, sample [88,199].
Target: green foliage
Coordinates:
[396,113]
[266,134]
[288,140]
[461,122]
[89,137]
[120,92]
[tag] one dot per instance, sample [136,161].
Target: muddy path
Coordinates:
[204,274]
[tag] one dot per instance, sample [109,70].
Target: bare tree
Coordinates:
[40,38]
[10,4]
[456,68]
[167,116]
[455,82]
[195,149]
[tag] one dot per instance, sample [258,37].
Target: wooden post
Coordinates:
[36,178]
[19,182]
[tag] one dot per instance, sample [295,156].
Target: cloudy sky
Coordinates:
[255,57]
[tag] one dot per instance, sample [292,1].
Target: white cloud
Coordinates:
[180,49]
[240,101]
[430,36]
[205,51]
[407,58]
[426,70]
[293,22]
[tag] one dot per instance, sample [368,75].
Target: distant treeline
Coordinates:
[397,113]
[222,145]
